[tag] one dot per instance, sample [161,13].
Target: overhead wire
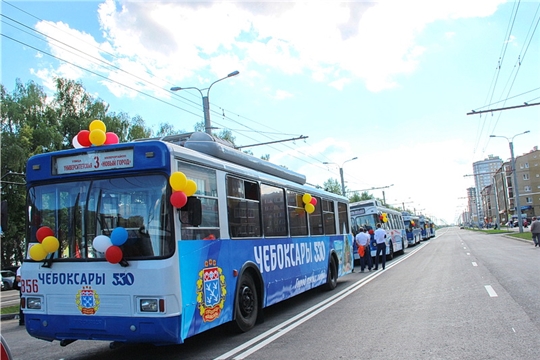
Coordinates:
[101,62]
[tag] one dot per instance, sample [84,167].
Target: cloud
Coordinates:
[373,42]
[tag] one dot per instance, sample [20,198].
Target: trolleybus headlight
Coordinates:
[33,303]
[148,305]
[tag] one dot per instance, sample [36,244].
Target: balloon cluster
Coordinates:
[384,217]
[309,203]
[111,245]
[47,244]
[97,135]
[182,188]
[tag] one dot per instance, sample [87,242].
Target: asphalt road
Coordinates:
[462,295]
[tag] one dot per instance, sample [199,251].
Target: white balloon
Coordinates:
[101,243]
[75,143]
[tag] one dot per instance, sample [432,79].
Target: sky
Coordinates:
[390,83]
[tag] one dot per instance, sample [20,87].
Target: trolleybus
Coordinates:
[412,228]
[368,213]
[159,240]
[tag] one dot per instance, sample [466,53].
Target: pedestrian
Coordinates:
[362,242]
[17,283]
[380,239]
[535,231]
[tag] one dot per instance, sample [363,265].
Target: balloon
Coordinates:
[313,201]
[309,208]
[37,252]
[114,254]
[178,181]
[306,198]
[50,244]
[178,199]
[119,236]
[191,187]
[43,232]
[83,137]
[97,125]
[75,143]
[111,138]
[97,137]
[101,243]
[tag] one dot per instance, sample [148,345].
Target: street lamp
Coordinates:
[341,172]
[206,104]
[516,189]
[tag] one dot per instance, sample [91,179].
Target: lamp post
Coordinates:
[341,172]
[513,164]
[206,104]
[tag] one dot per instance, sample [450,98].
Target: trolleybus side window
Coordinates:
[343,218]
[273,211]
[206,197]
[243,207]
[316,220]
[297,214]
[329,217]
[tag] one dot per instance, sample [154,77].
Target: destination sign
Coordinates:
[95,161]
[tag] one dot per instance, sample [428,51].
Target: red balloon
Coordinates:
[111,138]
[43,232]
[114,254]
[178,199]
[313,201]
[84,138]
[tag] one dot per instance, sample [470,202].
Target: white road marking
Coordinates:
[474,264]
[276,332]
[490,291]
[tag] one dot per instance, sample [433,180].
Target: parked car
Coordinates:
[8,278]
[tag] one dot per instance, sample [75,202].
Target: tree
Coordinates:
[361,197]
[333,186]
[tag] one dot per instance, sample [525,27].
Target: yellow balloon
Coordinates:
[178,181]
[37,252]
[306,198]
[97,125]
[50,244]
[309,208]
[191,188]
[97,137]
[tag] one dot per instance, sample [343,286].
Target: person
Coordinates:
[18,286]
[535,231]
[380,239]
[362,241]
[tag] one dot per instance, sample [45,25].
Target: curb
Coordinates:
[9,317]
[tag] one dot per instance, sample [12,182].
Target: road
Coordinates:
[462,295]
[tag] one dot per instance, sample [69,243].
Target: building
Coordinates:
[483,172]
[528,185]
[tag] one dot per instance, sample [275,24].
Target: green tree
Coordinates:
[361,197]
[333,186]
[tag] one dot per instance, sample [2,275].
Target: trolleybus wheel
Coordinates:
[332,274]
[390,256]
[247,304]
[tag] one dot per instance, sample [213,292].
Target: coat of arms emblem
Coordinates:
[211,291]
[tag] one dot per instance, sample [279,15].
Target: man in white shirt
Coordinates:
[18,281]
[380,239]
[362,240]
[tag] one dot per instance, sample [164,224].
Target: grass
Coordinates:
[10,310]
[524,235]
